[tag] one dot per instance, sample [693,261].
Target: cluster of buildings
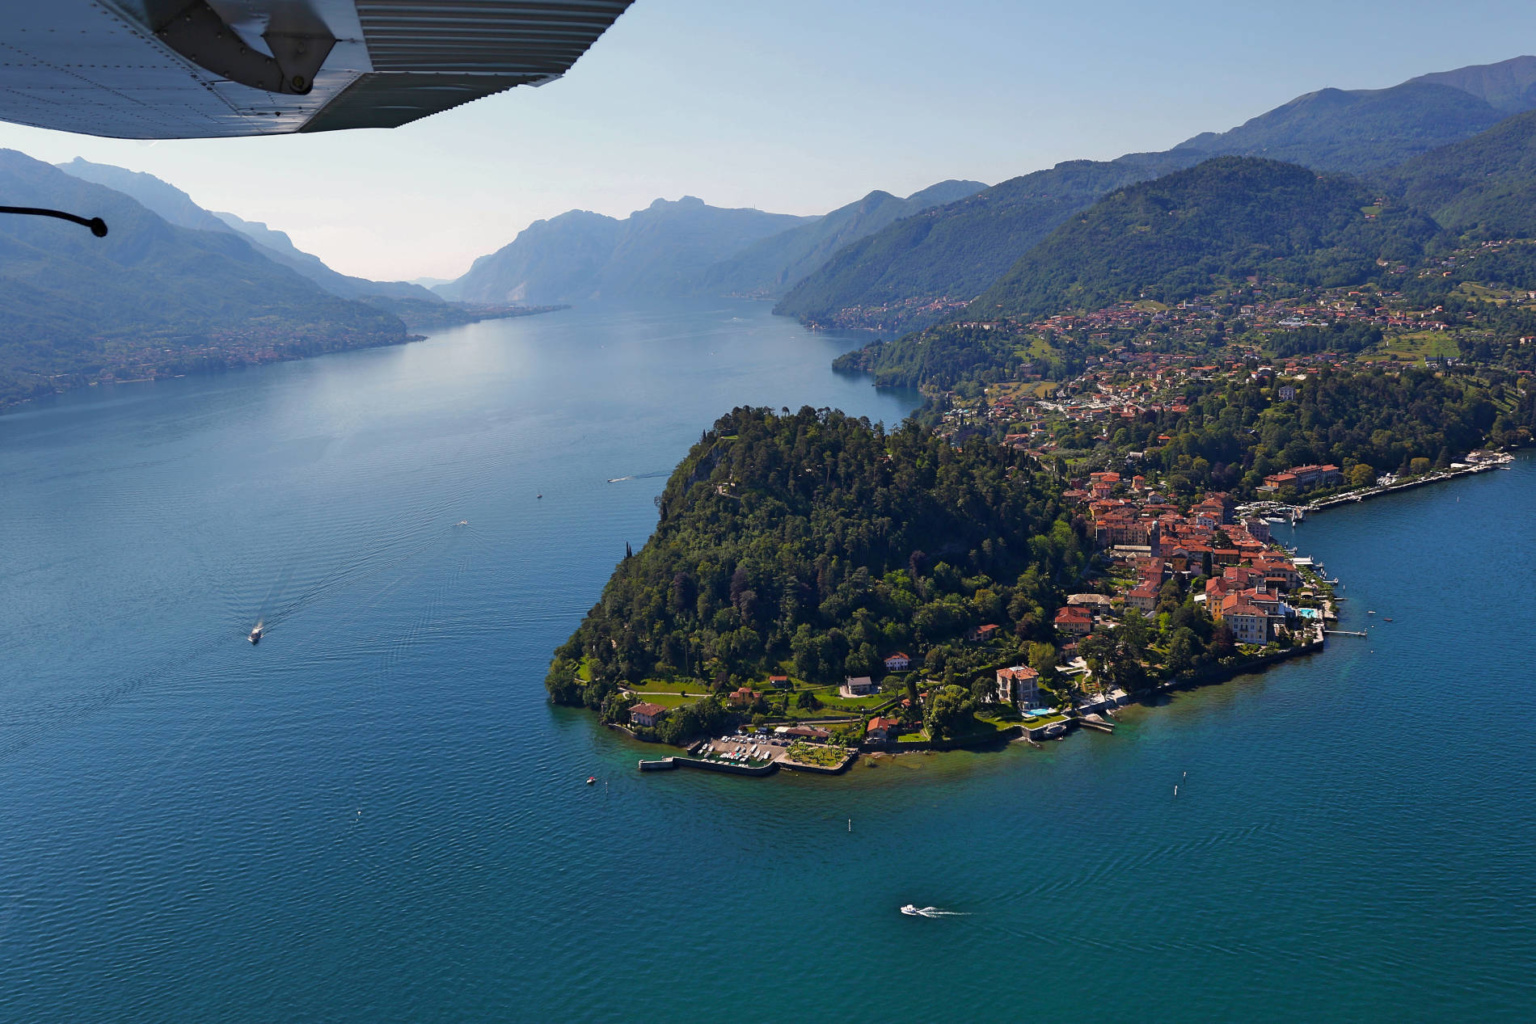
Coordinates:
[1247,578]
[1303,478]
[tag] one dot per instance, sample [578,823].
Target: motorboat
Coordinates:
[257,633]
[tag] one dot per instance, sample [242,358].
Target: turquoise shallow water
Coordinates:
[375,816]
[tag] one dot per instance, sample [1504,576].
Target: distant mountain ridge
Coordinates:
[662,251]
[150,297]
[178,208]
[772,266]
[914,271]
[1509,85]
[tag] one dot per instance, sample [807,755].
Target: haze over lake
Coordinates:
[376,815]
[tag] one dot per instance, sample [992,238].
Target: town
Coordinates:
[1188,595]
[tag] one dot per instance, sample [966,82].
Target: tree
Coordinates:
[1042,658]
[1135,631]
[951,712]
[1223,642]
[1183,648]
[1361,475]
[807,701]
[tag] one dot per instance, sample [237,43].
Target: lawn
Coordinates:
[1416,346]
[666,700]
[822,757]
[691,686]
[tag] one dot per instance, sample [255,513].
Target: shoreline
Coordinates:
[1500,461]
[1086,715]
[412,335]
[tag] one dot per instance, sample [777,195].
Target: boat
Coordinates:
[911,910]
[1385,619]
[257,633]
[591,779]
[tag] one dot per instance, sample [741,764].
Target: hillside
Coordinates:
[912,273]
[1185,233]
[1485,185]
[149,298]
[772,266]
[822,543]
[659,252]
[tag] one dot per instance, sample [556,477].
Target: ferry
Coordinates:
[256,634]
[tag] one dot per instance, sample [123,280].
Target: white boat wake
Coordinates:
[915,911]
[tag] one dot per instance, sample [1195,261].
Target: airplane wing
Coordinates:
[181,69]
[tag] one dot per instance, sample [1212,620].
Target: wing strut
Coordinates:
[199,34]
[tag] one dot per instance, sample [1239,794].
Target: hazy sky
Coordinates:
[799,106]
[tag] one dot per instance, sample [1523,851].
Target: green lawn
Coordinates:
[666,700]
[1416,346]
[824,757]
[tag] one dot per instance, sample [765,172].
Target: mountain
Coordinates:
[1485,185]
[662,251]
[1190,231]
[177,208]
[1358,130]
[1509,85]
[901,277]
[772,266]
[157,196]
[152,297]
[912,272]
[278,246]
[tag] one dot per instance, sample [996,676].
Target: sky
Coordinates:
[801,106]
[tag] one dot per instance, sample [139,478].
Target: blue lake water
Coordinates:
[376,816]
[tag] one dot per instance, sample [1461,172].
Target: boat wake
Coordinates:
[915,911]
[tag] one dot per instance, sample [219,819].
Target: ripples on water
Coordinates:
[374,815]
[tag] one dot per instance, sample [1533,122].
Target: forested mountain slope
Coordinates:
[1224,220]
[892,279]
[1485,184]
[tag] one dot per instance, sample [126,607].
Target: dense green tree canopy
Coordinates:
[822,542]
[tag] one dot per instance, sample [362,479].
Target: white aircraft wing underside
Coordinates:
[178,69]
